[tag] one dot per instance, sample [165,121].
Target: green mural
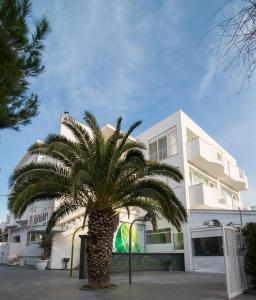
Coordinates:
[121,241]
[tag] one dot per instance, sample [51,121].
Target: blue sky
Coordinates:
[141,60]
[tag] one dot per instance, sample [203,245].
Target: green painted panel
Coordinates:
[121,241]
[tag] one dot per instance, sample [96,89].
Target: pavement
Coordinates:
[22,283]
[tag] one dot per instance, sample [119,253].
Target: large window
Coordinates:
[164,147]
[208,246]
[159,236]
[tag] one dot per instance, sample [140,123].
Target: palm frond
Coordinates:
[66,207]
[94,173]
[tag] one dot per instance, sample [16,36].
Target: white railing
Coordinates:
[39,216]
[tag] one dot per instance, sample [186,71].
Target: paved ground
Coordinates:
[24,283]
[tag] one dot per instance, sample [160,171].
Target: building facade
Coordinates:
[210,192]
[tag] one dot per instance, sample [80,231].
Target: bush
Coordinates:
[249,233]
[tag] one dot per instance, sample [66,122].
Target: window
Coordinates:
[235,197]
[219,156]
[211,184]
[208,246]
[191,135]
[16,239]
[164,147]
[159,236]
[172,137]
[34,237]
[197,178]
[153,151]
[226,196]
[178,241]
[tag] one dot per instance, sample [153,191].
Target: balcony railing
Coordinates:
[39,216]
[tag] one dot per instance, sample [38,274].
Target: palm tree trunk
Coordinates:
[101,227]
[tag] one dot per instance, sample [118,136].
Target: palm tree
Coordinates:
[100,175]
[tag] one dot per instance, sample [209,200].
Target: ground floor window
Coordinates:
[178,241]
[16,239]
[34,237]
[208,246]
[159,236]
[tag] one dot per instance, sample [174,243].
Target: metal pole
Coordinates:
[144,219]
[130,252]
[72,250]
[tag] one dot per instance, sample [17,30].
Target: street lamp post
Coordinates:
[144,219]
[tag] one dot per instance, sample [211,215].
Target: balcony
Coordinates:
[235,177]
[38,219]
[205,156]
[39,216]
[209,158]
[202,195]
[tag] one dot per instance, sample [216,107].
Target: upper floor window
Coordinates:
[227,196]
[164,146]
[197,178]
[191,135]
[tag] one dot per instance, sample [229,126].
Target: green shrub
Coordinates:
[249,233]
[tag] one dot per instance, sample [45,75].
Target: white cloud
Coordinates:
[98,52]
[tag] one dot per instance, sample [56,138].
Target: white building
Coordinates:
[210,191]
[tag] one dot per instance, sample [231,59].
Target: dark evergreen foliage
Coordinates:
[249,233]
[20,59]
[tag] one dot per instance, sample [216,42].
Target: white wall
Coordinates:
[197,217]
[29,251]
[61,247]
[208,264]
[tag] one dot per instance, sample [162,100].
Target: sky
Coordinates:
[141,60]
